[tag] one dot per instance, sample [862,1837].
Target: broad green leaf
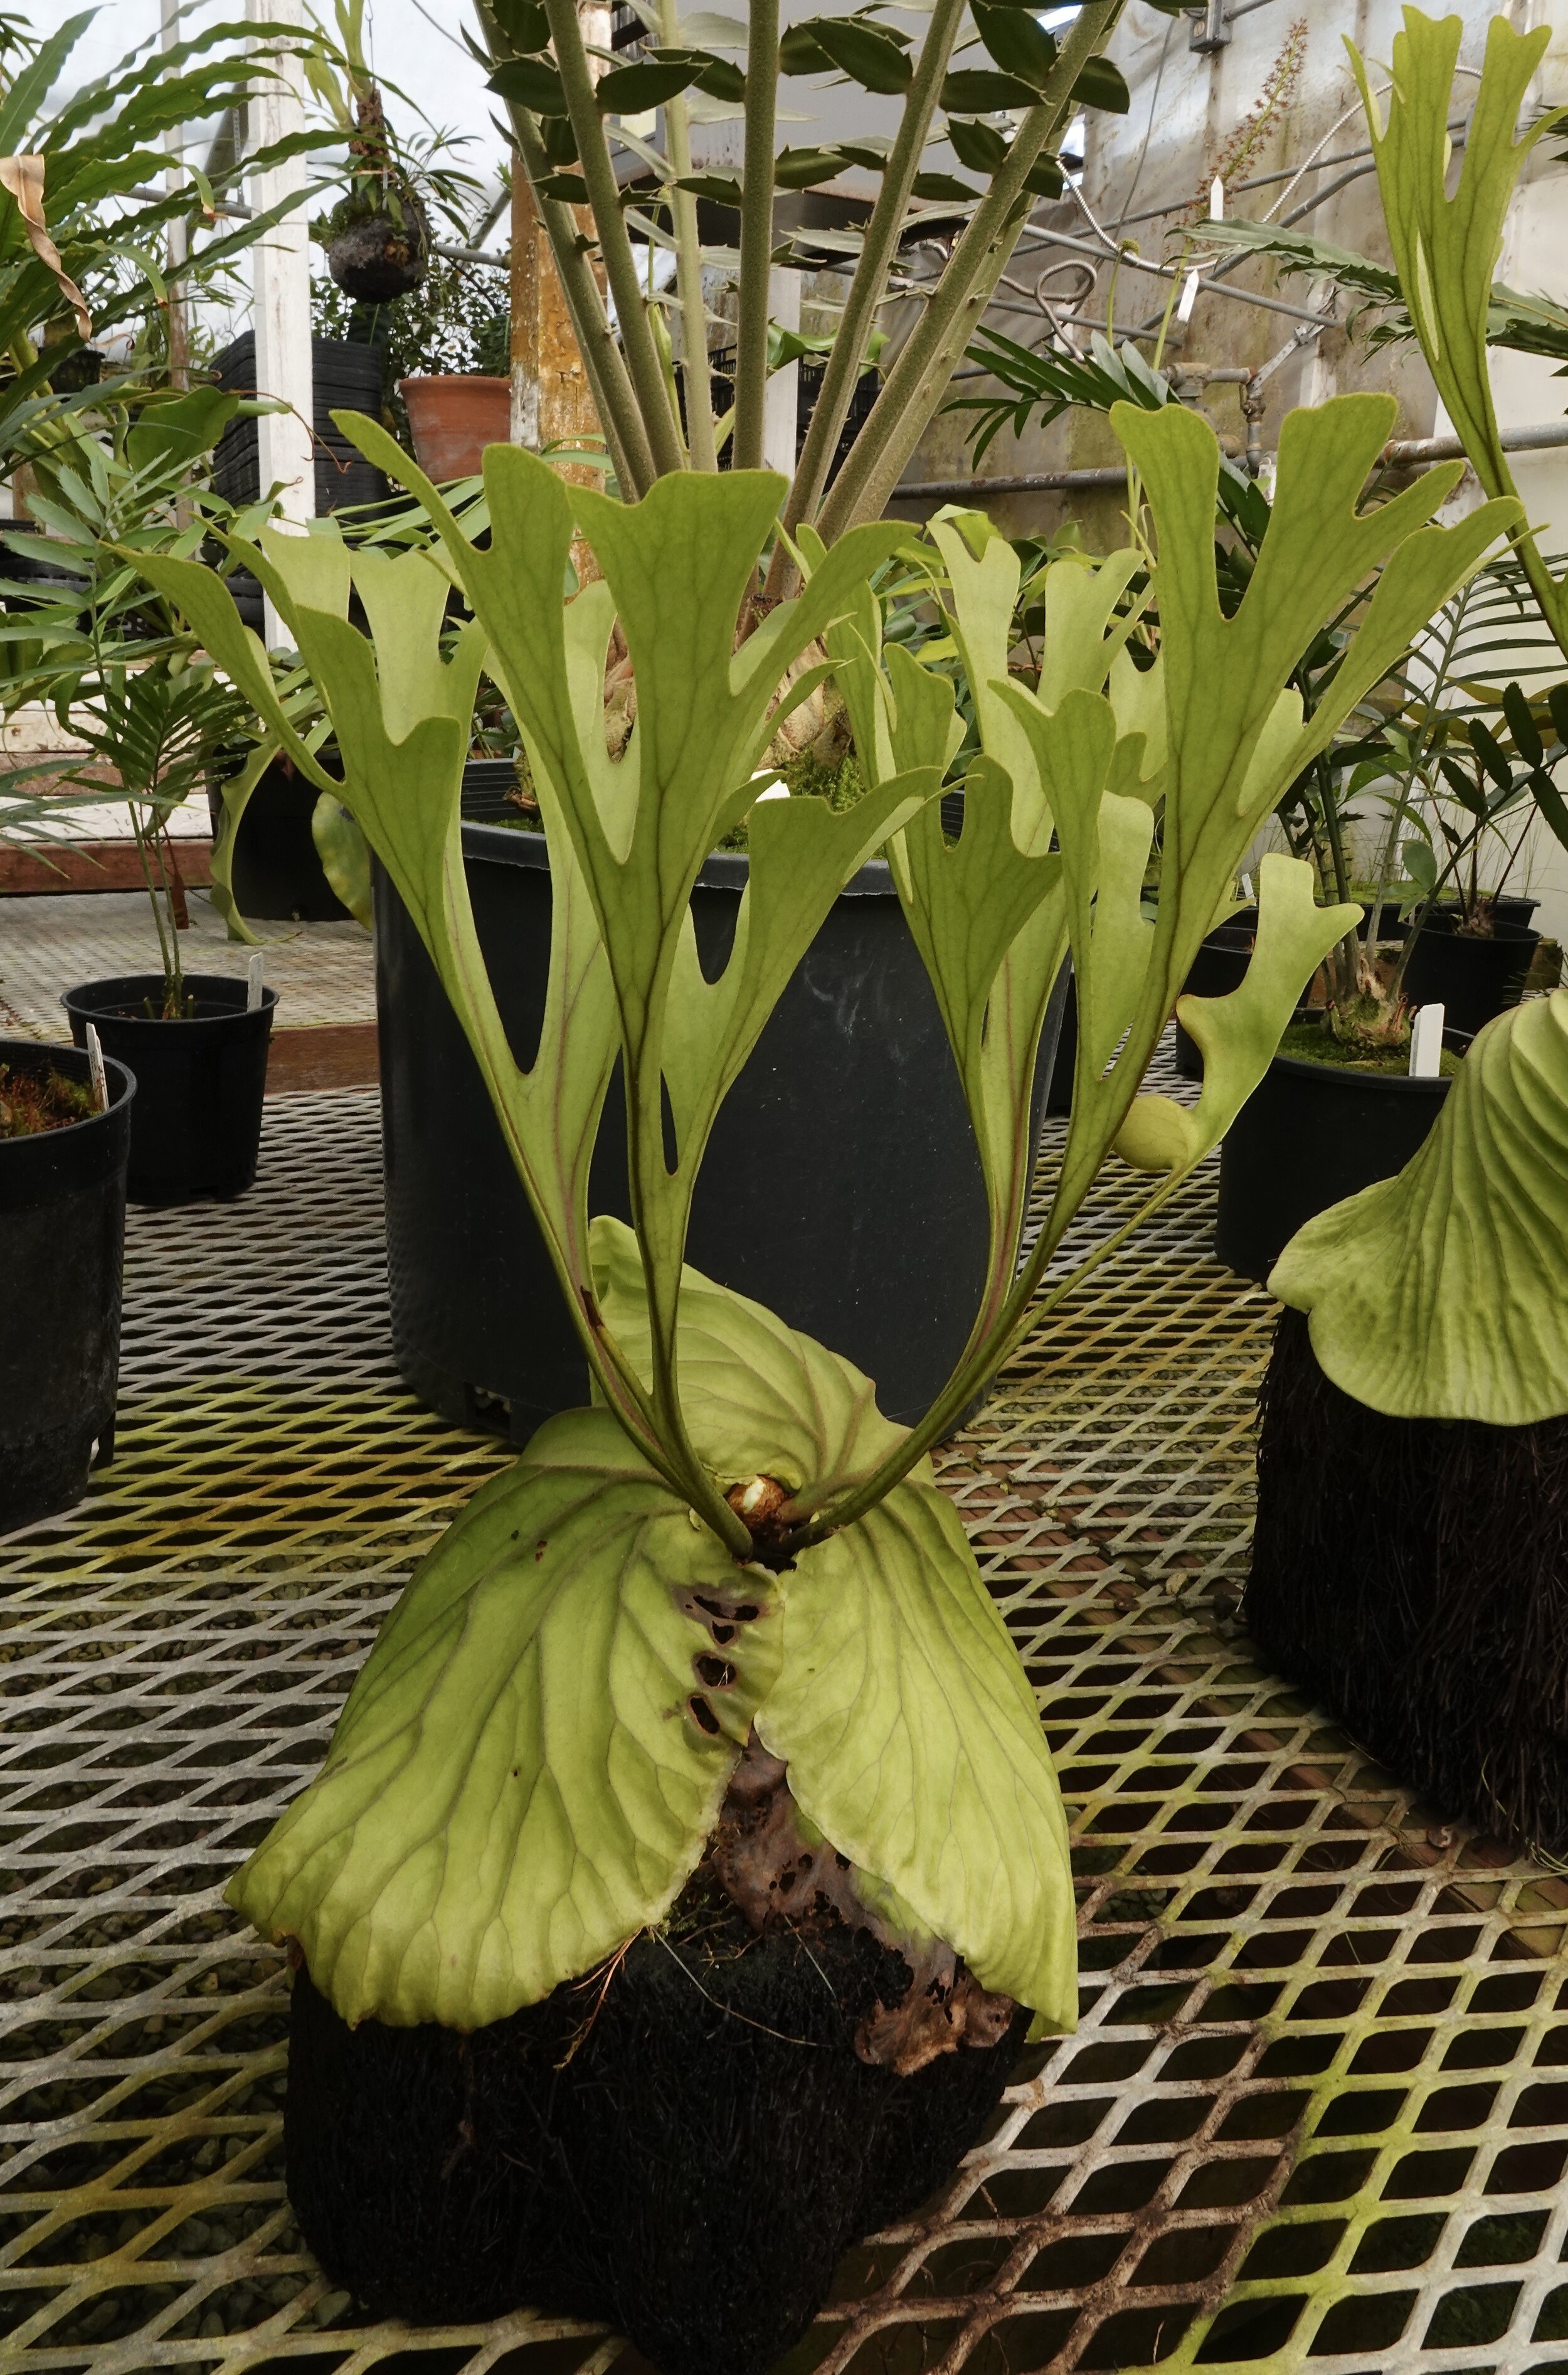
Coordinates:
[1083,637]
[518,1784]
[344,856]
[1105,839]
[312,571]
[235,794]
[1446,247]
[1234,734]
[1016,40]
[802,854]
[759,1397]
[914,1744]
[984,592]
[1443,1293]
[400,713]
[1238,1035]
[968,902]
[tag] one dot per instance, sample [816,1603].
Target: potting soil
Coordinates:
[684,2143]
[31,1102]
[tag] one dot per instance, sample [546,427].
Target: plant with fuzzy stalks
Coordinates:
[1003,112]
[734,1546]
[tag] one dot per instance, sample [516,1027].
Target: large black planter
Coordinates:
[1473,980]
[1308,1136]
[275,868]
[61,1228]
[683,2146]
[841,1186]
[1412,1575]
[196,1126]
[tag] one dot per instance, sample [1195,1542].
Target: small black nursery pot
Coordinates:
[62,1229]
[1412,1575]
[1309,1135]
[1472,976]
[196,1130]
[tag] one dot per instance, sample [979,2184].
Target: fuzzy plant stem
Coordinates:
[615,242]
[608,383]
[869,284]
[1374,926]
[1347,952]
[915,386]
[167,949]
[689,270]
[756,234]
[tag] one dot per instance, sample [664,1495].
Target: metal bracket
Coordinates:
[1210,30]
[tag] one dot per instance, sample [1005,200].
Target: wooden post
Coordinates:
[550,397]
[282,283]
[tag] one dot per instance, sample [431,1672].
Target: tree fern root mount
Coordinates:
[683,2142]
[1413,1574]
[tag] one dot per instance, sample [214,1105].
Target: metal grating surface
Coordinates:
[1313,2117]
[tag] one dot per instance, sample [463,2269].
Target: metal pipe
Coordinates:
[1401,454]
[1131,263]
[1406,450]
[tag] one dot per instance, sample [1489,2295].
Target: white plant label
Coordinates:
[254,984]
[95,1068]
[1426,1042]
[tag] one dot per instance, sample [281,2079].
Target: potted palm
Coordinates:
[695,1765]
[196,1043]
[154,717]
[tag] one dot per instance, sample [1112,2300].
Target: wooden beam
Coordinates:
[94,865]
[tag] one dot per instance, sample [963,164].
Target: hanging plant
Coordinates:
[378,238]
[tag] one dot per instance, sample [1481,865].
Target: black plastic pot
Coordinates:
[345,378]
[1510,908]
[62,1227]
[1411,1574]
[275,869]
[841,1186]
[1472,979]
[1219,967]
[197,1127]
[683,2153]
[1308,1136]
[488,793]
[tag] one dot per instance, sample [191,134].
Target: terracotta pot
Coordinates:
[453,419]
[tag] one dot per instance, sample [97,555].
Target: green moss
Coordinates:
[1315,1045]
[31,1102]
[806,779]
